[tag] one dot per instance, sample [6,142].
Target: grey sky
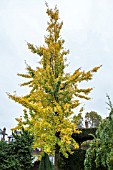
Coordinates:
[87,30]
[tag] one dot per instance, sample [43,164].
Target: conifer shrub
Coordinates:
[45,163]
[17,155]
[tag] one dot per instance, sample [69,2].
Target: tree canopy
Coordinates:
[53,93]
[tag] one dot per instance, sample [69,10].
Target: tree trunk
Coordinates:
[57,158]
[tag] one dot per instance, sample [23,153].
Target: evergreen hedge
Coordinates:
[75,161]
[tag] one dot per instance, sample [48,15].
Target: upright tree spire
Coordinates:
[53,93]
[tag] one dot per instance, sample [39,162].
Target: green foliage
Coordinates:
[93,118]
[17,155]
[45,163]
[22,147]
[8,160]
[101,148]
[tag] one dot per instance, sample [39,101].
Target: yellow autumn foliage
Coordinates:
[53,93]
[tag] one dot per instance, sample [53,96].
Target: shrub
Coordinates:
[17,155]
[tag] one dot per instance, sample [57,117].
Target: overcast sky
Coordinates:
[87,30]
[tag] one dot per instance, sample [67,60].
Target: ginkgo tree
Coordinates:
[53,94]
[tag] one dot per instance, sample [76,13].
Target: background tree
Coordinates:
[100,151]
[53,94]
[93,118]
